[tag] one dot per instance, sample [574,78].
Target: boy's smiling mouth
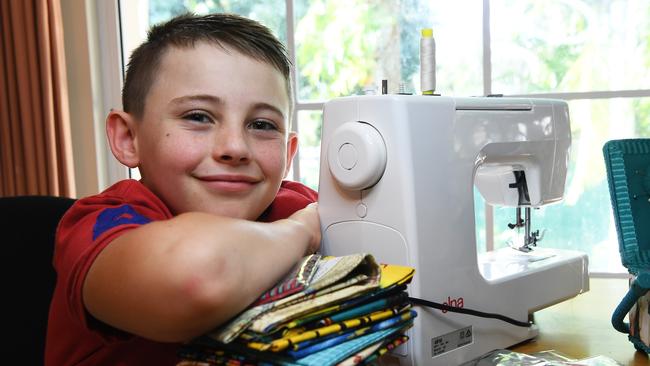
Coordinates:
[229,182]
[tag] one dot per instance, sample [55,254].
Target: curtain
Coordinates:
[35,143]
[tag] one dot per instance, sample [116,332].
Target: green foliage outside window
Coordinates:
[271,13]
[336,48]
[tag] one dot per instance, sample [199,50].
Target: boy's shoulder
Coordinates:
[126,197]
[124,191]
[291,188]
[93,219]
[291,197]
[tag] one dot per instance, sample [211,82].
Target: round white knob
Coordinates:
[347,156]
[356,155]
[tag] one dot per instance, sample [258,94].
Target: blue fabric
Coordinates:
[336,354]
[113,217]
[327,343]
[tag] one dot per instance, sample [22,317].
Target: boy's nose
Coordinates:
[231,147]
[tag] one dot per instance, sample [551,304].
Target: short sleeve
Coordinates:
[90,225]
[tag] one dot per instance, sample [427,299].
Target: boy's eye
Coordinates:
[198,117]
[261,124]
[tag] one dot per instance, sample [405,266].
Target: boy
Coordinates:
[147,264]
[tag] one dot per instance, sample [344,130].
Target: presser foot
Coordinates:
[522,248]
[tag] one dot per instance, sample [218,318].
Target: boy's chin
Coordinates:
[235,212]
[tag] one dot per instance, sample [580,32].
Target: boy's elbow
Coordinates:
[201,306]
[210,297]
[205,295]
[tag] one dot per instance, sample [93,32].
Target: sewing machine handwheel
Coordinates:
[356,155]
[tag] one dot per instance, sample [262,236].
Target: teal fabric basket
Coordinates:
[628,174]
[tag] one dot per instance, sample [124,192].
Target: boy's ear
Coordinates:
[121,133]
[292,147]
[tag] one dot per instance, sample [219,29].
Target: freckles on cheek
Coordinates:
[180,151]
[273,155]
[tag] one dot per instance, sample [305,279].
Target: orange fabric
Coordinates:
[35,143]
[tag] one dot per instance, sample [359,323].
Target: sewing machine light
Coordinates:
[356,155]
[493,183]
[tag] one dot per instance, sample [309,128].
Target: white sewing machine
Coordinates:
[396,180]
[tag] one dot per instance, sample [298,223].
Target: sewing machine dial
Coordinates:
[356,155]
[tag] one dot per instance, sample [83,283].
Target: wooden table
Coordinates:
[581,328]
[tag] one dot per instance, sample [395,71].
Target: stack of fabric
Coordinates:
[328,311]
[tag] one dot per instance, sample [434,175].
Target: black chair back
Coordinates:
[27,228]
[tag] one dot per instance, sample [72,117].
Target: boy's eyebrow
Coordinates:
[200,97]
[262,105]
[214,99]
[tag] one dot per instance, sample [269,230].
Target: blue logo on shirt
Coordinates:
[113,217]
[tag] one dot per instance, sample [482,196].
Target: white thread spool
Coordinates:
[427,62]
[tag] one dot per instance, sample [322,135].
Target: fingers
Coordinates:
[309,217]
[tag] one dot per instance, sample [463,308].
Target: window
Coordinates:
[595,54]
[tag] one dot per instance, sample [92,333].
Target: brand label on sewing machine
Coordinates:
[451,341]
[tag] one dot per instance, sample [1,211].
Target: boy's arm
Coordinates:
[176,279]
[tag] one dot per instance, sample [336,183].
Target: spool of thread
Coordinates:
[427,62]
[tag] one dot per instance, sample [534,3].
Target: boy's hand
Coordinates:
[310,220]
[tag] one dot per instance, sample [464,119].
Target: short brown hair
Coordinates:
[244,35]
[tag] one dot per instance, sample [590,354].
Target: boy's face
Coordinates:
[214,134]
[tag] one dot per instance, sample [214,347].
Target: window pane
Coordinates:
[569,46]
[346,46]
[583,220]
[309,129]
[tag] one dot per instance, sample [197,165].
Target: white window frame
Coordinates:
[110,40]
[91,35]
[107,17]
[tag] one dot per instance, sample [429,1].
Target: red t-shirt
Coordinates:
[73,336]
